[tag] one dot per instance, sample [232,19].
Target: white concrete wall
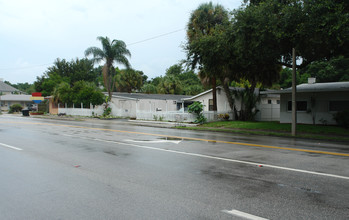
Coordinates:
[166,116]
[319,112]
[152,105]
[140,109]
[176,116]
[132,108]
[123,107]
[98,110]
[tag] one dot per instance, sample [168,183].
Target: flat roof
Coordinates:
[12,97]
[317,87]
[137,96]
[256,91]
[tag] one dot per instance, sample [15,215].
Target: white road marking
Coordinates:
[11,147]
[155,141]
[243,215]
[215,158]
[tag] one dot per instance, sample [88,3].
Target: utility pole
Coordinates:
[294,102]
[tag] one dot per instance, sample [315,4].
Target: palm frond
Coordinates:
[106,44]
[97,53]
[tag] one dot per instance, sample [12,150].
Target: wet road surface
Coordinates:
[113,170]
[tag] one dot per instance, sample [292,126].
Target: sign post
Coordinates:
[37,98]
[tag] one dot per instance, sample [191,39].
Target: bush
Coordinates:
[342,118]
[15,108]
[197,108]
[107,111]
[224,116]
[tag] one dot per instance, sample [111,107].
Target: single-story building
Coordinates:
[268,106]
[7,100]
[316,102]
[174,107]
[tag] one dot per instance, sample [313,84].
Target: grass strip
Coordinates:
[276,129]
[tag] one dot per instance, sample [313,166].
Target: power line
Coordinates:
[141,41]
[158,36]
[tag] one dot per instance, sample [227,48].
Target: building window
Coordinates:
[210,104]
[335,106]
[302,106]
[269,101]
[278,102]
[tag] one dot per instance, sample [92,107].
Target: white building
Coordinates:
[268,107]
[316,102]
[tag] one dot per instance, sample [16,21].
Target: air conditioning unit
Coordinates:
[311,80]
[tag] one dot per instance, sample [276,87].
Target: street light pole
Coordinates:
[294,102]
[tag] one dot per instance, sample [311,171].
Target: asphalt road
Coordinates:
[113,170]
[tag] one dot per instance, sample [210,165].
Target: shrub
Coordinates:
[107,112]
[224,116]
[342,118]
[15,108]
[155,117]
[197,108]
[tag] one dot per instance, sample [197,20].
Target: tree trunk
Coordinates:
[214,97]
[228,95]
[214,93]
[250,102]
[106,79]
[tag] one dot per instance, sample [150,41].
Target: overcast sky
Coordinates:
[33,34]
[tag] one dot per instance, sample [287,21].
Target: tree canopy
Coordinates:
[256,41]
[318,30]
[177,80]
[81,92]
[65,71]
[129,80]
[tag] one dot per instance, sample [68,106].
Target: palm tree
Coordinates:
[203,25]
[112,52]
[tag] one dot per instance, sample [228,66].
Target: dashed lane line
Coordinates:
[243,215]
[11,147]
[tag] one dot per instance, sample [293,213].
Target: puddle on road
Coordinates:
[111,152]
[300,188]
[170,139]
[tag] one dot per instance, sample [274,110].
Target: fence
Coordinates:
[97,110]
[175,116]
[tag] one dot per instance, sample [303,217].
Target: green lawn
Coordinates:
[277,129]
